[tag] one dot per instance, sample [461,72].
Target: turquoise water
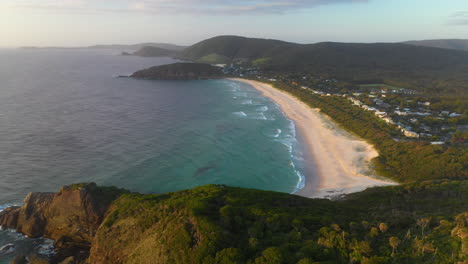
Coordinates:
[227,134]
[65,118]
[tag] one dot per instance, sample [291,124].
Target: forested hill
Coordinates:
[224,49]
[458,44]
[414,223]
[403,65]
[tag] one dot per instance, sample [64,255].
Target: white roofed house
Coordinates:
[409,133]
[381,114]
[388,120]
[366,107]
[401,113]
[355,101]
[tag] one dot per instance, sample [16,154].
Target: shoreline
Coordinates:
[336,161]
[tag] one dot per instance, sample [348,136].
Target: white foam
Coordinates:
[5,206]
[258,116]
[262,109]
[241,94]
[241,114]
[46,248]
[278,133]
[247,102]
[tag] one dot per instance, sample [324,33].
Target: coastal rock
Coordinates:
[31,219]
[20,260]
[10,217]
[180,71]
[71,217]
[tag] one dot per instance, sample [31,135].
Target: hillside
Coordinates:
[403,65]
[416,223]
[457,44]
[180,71]
[228,48]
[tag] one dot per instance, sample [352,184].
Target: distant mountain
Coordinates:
[457,44]
[135,47]
[127,48]
[404,65]
[224,49]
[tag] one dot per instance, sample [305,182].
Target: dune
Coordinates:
[338,162]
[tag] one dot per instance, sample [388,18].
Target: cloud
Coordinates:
[459,18]
[220,7]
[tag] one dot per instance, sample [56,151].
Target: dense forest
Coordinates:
[428,69]
[414,223]
[399,160]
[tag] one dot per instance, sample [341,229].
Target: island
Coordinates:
[180,71]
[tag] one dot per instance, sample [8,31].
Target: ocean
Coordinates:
[65,117]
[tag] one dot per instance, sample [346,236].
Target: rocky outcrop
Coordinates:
[71,217]
[180,71]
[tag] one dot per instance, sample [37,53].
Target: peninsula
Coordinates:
[180,71]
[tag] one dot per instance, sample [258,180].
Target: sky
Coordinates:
[185,22]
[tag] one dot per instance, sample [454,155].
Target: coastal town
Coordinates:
[417,117]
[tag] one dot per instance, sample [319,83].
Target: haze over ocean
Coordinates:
[65,118]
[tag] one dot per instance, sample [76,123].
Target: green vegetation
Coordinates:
[104,194]
[180,71]
[426,69]
[379,86]
[261,61]
[214,59]
[415,223]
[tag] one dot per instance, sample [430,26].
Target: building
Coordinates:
[409,133]
[401,113]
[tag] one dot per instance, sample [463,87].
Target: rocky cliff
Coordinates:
[180,71]
[70,217]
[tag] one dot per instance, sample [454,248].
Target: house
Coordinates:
[400,113]
[381,114]
[437,143]
[388,120]
[355,101]
[369,108]
[425,135]
[409,133]
[455,115]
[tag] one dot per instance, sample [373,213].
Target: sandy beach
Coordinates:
[338,161]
